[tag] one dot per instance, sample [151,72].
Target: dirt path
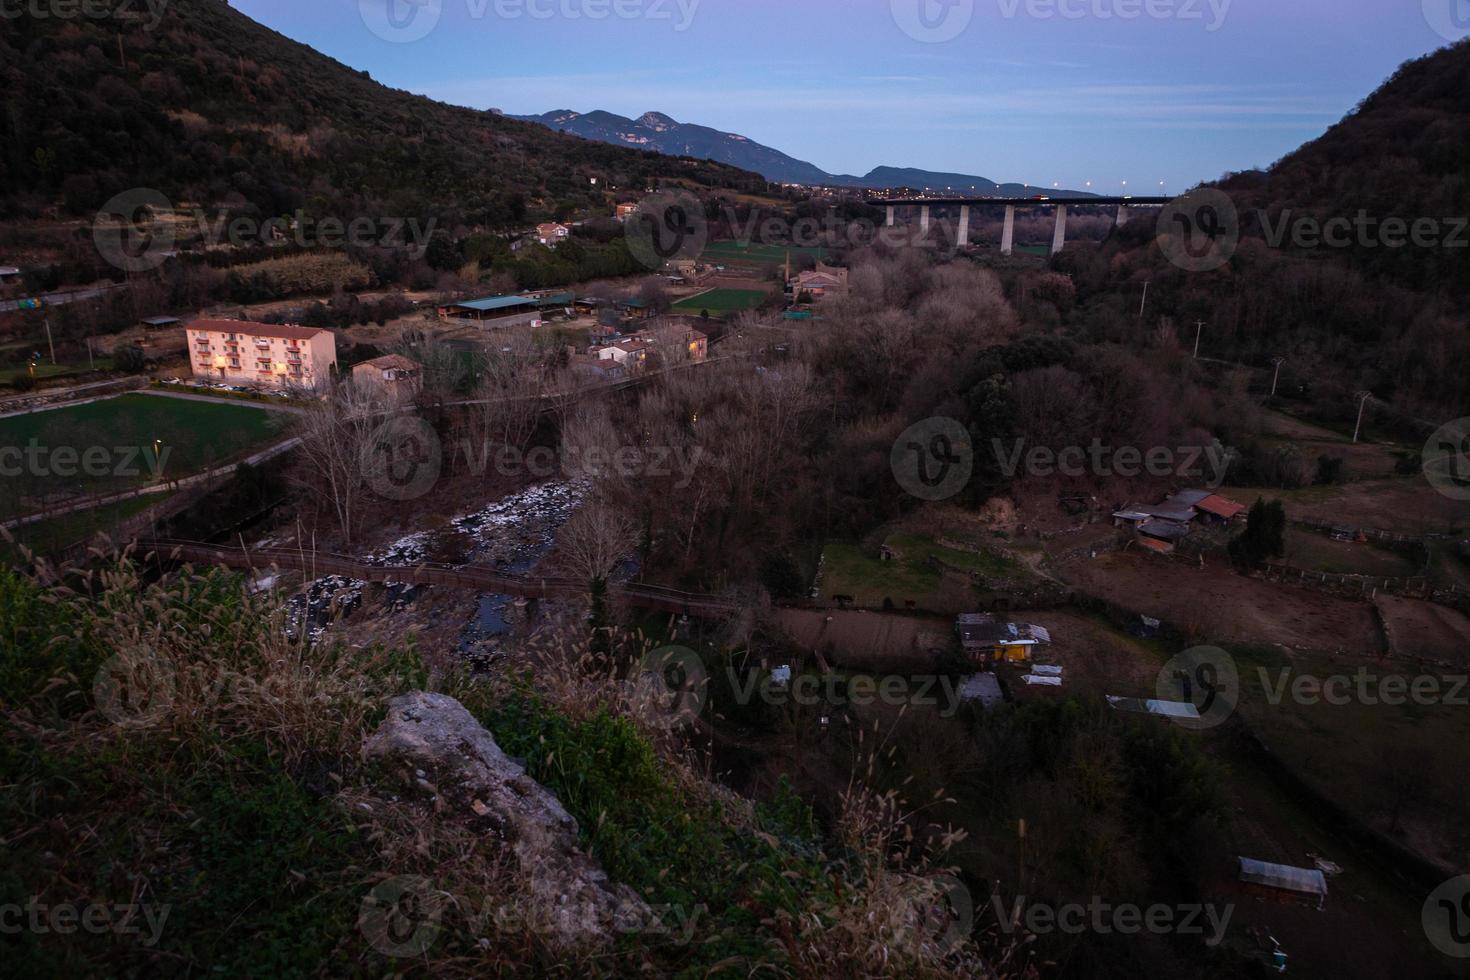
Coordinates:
[1220,606]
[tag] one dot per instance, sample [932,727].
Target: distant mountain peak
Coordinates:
[657,121]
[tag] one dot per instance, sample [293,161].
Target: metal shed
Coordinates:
[1283,882]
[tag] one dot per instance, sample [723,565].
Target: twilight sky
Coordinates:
[1032,90]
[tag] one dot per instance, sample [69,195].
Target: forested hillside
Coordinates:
[210,107]
[1359,312]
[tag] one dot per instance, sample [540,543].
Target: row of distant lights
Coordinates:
[1056,185]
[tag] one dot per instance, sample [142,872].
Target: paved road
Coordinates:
[165,486]
[62,298]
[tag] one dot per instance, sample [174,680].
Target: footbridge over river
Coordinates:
[315,564]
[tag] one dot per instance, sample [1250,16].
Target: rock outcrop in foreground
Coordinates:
[445,753]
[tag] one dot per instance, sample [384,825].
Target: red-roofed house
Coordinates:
[552,234]
[1218,509]
[273,355]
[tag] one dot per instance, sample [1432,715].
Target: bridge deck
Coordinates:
[1017,201]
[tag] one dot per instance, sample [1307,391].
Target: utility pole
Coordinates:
[1278,361]
[51,343]
[1199,329]
[1363,397]
[1144,302]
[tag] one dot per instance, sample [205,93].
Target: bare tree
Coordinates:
[590,444]
[506,405]
[594,540]
[654,292]
[442,368]
[335,435]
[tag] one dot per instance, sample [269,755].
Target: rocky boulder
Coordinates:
[442,751]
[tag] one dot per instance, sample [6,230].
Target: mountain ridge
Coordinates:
[661,132]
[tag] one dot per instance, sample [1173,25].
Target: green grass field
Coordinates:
[848,570]
[50,536]
[733,251]
[195,435]
[721,301]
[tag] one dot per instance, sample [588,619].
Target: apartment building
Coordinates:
[265,354]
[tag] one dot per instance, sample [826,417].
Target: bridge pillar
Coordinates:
[962,239]
[1059,237]
[924,219]
[891,218]
[1122,216]
[1008,235]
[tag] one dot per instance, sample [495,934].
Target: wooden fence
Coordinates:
[1364,586]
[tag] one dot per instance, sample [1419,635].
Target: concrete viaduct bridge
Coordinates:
[1008,236]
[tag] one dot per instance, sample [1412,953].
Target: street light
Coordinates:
[1199,328]
[1278,361]
[158,457]
[1363,398]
